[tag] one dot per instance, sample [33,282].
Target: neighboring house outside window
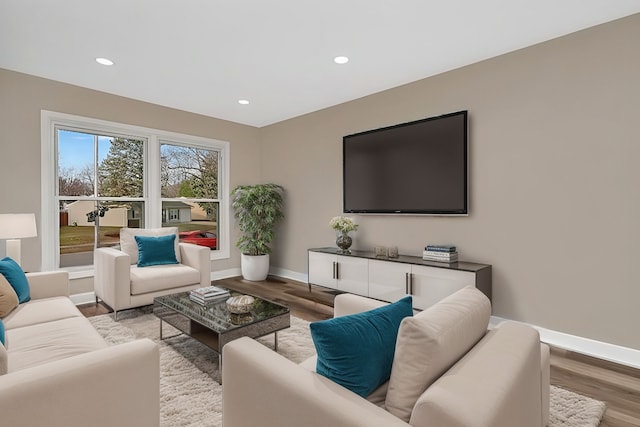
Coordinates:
[176,212]
[109,175]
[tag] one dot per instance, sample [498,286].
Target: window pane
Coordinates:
[188,172]
[121,168]
[76,159]
[197,221]
[83,222]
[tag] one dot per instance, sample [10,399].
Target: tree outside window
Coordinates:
[189,178]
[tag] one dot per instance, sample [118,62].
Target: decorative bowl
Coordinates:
[240,304]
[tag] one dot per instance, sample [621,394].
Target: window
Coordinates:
[189,189]
[100,188]
[107,176]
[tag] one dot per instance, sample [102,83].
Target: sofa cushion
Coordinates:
[430,342]
[496,383]
[158,250]
[16,277]
[129,245]
[377,397]
[356,351]
[8,297]
[41,311]
[161,277]
[45,342]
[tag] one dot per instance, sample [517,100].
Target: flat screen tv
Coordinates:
[411,168]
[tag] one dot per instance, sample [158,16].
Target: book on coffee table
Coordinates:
[208,294]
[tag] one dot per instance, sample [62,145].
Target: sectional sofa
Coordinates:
[448,371]
[56,370]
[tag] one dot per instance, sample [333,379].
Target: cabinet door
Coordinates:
[322,269]
[431,284]
[353,275]
[388,281]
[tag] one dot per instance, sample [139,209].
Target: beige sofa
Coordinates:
[499,378]
[121,284]
[56,370]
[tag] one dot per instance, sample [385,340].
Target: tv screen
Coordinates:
[412,168]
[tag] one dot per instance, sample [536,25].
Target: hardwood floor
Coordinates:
[90,310]
[617,385]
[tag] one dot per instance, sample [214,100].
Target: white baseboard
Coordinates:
[601,350]
[84,298]
[224,274]
[288,274]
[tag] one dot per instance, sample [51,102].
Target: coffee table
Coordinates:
[214,326]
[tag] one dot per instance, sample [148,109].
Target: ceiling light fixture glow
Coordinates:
[341,60]
[243,102]
[104,61]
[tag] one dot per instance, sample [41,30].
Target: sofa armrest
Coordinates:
[345,304]
[198,257]
[112,277]
[545,381]
[496,384]
[114,386]
[48,284]
[262,388]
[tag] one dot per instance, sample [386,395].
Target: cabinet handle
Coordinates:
[406,283]
[410,283]
[333,272]
[337,270]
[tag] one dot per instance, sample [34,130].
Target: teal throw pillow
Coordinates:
[2,332]
[16,278]
[158,250]
[356,351]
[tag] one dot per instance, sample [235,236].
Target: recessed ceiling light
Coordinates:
[340,59]
[104,61]
[243,102]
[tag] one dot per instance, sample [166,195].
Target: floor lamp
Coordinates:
[14,227]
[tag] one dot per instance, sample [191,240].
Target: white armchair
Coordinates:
[121,284]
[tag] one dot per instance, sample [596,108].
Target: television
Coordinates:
[417,168]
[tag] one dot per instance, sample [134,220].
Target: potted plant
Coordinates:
[257,208]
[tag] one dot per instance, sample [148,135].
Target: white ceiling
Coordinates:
[203,56]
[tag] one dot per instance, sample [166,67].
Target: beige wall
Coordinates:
[554,152]
[553,146]
[22,97]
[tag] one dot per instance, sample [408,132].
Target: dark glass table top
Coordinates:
[215,315]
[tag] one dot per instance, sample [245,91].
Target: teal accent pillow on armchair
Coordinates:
[356,351]
[158,250]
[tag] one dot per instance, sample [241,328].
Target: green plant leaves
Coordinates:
[257,208]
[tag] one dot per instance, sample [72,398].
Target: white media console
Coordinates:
[389,279]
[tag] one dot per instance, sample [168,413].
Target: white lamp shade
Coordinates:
[17,226]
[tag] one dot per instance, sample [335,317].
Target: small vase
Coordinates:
[344,242]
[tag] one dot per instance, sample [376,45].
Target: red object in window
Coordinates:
[202,238]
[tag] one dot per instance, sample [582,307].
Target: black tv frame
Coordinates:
[463,211]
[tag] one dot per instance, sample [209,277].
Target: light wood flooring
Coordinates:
[617,385]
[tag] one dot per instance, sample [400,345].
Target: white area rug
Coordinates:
[190,396]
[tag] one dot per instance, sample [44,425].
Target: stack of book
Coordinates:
[208,295]
[440,253]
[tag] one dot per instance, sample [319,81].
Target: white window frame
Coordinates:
[49,231]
